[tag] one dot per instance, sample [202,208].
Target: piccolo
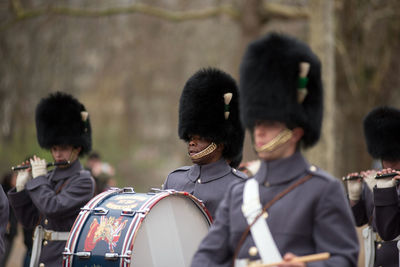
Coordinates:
[386,175]
[350,178]
[50,164]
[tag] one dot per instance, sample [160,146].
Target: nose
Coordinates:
[192,142]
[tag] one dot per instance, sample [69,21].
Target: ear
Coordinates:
[298,133]
[220,147]
[78,149]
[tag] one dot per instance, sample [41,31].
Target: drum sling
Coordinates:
[252,211]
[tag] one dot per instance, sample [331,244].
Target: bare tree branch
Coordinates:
[279,11]
[173,16]
[269,10]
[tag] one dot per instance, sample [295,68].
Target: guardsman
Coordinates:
[209,122]
[290,208]
[376,201]
[51,200]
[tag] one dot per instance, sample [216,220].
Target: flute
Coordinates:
[387,175]
[50,164]
[349,178]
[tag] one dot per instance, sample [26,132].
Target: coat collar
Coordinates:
[209,172]
[282,170]
[62,173]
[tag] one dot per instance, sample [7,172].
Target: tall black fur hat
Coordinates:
[381,130]
[62,120]
[202,111]
[269,85]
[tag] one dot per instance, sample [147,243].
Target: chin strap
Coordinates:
[208,150]
[278,140]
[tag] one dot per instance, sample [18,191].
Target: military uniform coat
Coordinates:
[315,217]
[206,182]
[54,201]
[387,221]
[386,253]
[4,212]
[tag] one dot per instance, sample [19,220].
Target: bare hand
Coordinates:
[290,261]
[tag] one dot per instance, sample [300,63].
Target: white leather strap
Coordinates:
[260,232]
[55,236]
[37,246]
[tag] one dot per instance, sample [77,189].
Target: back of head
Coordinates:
[381,130]
[63,120]
[206,110]
[270,73]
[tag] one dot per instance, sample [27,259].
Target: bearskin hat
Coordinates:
[270,85]
[204,111]
[62,120]
[381,128]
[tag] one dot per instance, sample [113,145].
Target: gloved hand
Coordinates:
[354,189]
[369,178]
[386,182]
[39,167]
[22,178]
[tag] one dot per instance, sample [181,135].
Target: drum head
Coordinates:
[170,233]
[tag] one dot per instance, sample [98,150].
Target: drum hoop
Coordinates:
[71,242]
[149,204]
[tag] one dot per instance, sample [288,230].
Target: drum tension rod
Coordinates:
[114,256]
[79,254]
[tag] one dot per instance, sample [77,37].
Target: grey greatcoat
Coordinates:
[54,201]
[315,217]
[387,219]
[206,182]
[386,253]
[4,212]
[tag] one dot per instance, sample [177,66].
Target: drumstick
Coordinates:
[307,258]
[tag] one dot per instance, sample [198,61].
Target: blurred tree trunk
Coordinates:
[321,39]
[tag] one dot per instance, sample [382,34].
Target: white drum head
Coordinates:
[170,234]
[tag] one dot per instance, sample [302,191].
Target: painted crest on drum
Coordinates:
[108,230]
[105,233]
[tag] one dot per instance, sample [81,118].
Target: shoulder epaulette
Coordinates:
[183,168]
[239,173]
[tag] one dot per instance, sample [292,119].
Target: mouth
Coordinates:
[192,152]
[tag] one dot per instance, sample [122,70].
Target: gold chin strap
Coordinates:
[73,153]
[278,140]
[207,151]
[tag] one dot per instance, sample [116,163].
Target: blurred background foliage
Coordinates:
[128,60]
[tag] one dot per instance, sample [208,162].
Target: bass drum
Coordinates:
[122,228]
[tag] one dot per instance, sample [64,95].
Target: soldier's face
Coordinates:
[264,132]
[197,144]
[64,153]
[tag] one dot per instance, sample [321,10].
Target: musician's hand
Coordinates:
[354,187]
[22,178]
[39,167]
[369,178]
[387,182]
[290,261]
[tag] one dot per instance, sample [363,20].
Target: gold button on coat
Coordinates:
[313,168]
[46,221]
[253,251]
[379,246]
[45,243]
[199,181]
[41,265]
